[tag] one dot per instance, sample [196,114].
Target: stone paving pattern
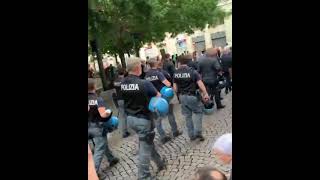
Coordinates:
[184,157]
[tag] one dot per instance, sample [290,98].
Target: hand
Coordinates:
[206,97]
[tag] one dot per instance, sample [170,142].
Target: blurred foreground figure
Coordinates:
[223,149]
[210,173]
[92,175]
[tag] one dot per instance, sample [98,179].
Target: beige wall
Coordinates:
[170,43]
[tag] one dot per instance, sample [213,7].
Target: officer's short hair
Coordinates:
[205,174]
[184,59]
[152,61]
[91,84]
[132,63]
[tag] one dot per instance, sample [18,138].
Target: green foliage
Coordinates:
[123,25]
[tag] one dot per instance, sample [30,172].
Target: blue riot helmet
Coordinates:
[112,124]
[208,107]
[167,93]
[159,104]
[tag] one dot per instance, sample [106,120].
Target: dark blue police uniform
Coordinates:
[226,61]
[120,102]
[186,80]
[137,93]
[156,76]
[96,130]
[209,68]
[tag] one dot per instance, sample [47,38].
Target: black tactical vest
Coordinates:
[117,87]
[93,114]
[135,98]
[166,75]
[185,80]
[152,76]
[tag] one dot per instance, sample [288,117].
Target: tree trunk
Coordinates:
[95,44]
[95,48]
[136,50]
[94,64]
[115,57]
[123,61]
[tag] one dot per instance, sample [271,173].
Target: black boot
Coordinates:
[126,134]
[163,166]
[165,139]
[221,106]
[176,134]
[200,137]
[114,161]
[193,138]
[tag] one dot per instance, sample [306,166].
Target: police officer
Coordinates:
[90,72]
[171,116]
[192,62]
[137,93]
[168,66]
[209,68]
[158,79]
[97,115]
[144,69]
[226,61]
[220,77]
[120,103]
[186,82]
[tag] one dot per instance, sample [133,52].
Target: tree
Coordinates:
[126,25]
[94,39]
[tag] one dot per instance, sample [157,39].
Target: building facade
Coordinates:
[218,36]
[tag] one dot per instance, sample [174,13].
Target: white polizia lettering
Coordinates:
[182,75]
[129,87]
[152,78]
[93,102]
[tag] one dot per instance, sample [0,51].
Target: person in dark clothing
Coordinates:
[137,93]
[143,67]
[120,102]
[159,80]
[90,72]
[110,76]
[187,81]
[218,52]
[203,53]
[191,63]
[97,115]
[226,61]
[209,68]
[168,65]
[119,66]
[173,60]
[220,77]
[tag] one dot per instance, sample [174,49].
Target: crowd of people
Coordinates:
[197,81]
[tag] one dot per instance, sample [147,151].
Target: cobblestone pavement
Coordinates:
[183,156]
